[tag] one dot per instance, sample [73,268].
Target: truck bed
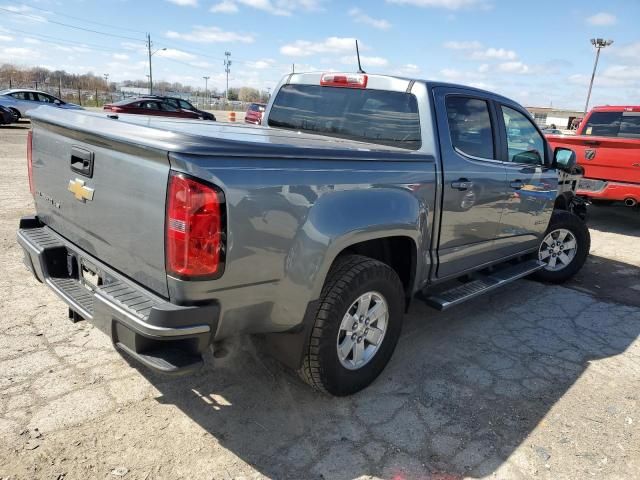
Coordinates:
[207,138]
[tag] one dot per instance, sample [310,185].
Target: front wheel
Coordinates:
[356,328]
[564,248]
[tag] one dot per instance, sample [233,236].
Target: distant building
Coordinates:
[562,119]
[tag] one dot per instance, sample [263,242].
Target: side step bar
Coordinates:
[482,284]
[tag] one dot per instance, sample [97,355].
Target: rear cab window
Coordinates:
[613,124]
[366,115]
[470,126]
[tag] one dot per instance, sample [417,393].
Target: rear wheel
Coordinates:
[356,328]
[16,113]
[564,248]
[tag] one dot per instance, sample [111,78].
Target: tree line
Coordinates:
[53,80]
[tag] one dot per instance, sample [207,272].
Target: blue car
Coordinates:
[22,101]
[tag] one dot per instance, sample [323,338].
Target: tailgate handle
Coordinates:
[82,161]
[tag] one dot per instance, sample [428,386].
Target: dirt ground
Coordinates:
[534,381]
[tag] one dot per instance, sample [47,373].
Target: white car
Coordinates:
[22,101]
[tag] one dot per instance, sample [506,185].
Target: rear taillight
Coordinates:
[30,160]
[194,228]
[347,80]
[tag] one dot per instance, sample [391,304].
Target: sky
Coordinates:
[536,52]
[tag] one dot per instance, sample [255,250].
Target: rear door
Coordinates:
[474,180]
[532,184]
[106,197]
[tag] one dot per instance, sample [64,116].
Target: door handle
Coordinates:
[82,161]
[517,184]
[462,184]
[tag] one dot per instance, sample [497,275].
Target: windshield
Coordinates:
[374,116]
[613,124]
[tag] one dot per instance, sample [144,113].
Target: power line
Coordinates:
[47,20]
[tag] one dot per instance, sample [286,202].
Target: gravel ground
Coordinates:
[534,381]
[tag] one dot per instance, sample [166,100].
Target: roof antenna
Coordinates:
[360,70]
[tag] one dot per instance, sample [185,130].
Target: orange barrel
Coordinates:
[232,116]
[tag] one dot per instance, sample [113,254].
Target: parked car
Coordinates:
[149,106]
[184,105]
[607,145]
[22,101]
[7,116]
[315,229]
[254,113]
[552,131]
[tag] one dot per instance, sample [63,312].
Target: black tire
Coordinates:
[350,277]
[579,229]
[17,114]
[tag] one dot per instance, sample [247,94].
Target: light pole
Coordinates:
[106,81]
[599,43]
[227,68]
[149,44]
[206,79]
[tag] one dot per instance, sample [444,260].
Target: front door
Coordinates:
[474,180]
[532,183]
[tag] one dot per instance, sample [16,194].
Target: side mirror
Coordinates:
[564,159]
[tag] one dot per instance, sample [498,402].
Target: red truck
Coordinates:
[607,146]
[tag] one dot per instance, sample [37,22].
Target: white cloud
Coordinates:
[631,50]
[494,53]
[464,45]
[304,48]
[5,38]
[280,7]
[484,68]
[226,6]
[367,62]
[175,54]
[602,19]
[184,3]
[120,56]
[514,67]
[261,64]
[201,34]
[25,13]
[360,17]
[447,4]
[31,41]
[409,69]
[18,54]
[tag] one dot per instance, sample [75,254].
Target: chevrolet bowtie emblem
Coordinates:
[81,192]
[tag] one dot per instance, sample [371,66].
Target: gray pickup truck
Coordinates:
[314,230]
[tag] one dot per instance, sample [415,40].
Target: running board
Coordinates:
[482,284]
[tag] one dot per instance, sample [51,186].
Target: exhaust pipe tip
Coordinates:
[630,202]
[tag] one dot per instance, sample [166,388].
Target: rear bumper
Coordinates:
[165,337]
[607,190]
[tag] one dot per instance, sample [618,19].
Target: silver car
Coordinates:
[22,101]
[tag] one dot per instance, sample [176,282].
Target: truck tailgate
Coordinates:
[604,158]
[106,197]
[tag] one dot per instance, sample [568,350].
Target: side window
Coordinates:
[470,126]
[185,105]
[21,95]
[43,98]
[150,105]
[167,107]
[524,143]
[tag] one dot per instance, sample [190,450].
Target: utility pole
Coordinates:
[206,79]
[227,69]
[293,68]
[60,87]
[599,43]
[150,74]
